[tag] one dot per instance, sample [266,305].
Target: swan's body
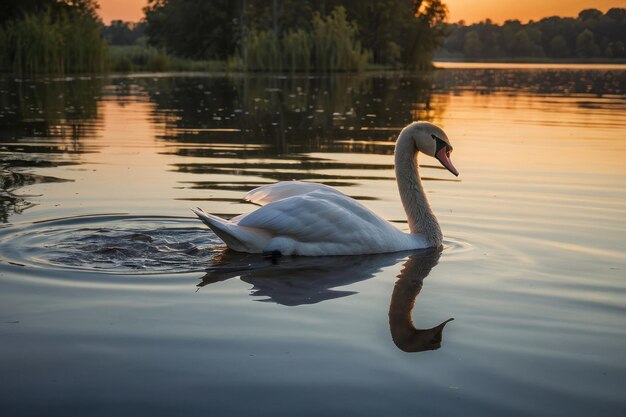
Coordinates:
[298,218]
[312,220]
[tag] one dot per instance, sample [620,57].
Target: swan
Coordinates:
[310,219]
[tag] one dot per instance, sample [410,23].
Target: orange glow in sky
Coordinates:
[127,10]
[468,10]
[476,10]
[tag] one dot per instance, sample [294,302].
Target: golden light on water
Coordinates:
[103,269]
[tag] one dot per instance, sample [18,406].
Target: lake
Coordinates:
[115,300]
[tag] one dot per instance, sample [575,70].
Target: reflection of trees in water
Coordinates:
[10,181]
[538,81]
[289,114]
[42,124]
[283,119]
[50,101]
[341,113]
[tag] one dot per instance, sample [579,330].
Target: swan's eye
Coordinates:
[440,144]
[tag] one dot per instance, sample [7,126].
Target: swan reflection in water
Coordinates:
[293,281]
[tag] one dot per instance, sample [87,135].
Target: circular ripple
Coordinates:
[114,244]
[129,245]
[457,249]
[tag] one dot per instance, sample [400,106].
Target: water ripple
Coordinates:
[113,244]
[119,244]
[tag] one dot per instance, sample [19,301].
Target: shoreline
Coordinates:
[437,65]
[528,65]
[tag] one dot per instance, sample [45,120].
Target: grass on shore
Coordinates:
[145,58]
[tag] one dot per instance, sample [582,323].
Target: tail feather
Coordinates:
[239,238]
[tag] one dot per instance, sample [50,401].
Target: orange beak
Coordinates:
[442,156]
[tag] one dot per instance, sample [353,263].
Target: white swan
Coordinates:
[299,218]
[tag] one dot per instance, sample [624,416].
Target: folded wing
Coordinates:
[281,190]
[319,219]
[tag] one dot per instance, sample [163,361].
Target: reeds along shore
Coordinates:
[45,43]
[42,43]
[330,46]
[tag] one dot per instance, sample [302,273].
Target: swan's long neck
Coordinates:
[420,216]
[403,332]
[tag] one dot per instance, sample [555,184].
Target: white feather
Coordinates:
[280,190]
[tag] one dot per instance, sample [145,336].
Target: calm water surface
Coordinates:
[115,301]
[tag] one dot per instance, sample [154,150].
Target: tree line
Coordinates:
[592,34]
[278,35]
[65,36]
[61,36]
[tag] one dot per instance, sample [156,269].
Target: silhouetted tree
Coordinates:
[395,32]
[123,33]
[585,45]
[558,37]
[472,47]
[590,14]
[615,50]
[522,45]
[558,47]
[193,28]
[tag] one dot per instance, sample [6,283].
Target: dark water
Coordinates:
[115,301]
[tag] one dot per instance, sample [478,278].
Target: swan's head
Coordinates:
[409,339]
[433,141]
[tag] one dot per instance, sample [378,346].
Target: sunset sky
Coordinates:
[468,10]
